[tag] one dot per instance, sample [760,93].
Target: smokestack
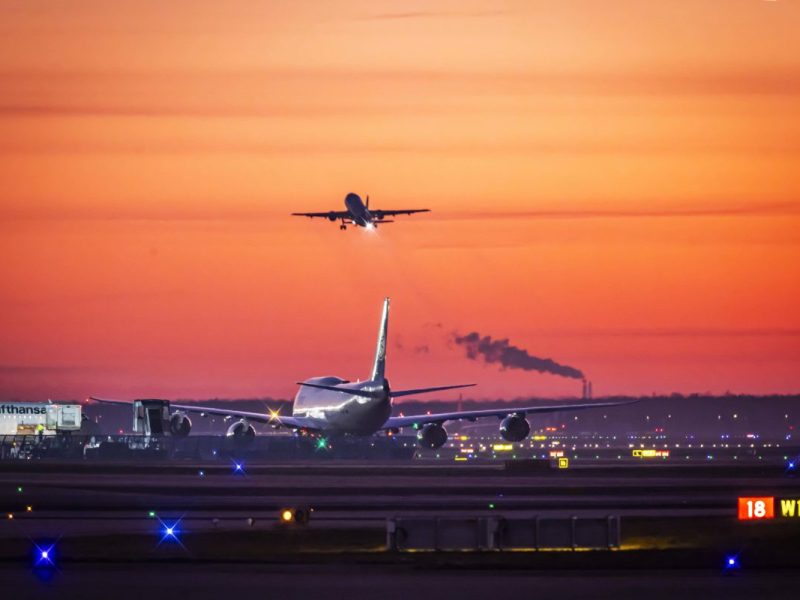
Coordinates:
[585,389]
[590,390]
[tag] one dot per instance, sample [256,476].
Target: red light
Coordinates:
[756,509]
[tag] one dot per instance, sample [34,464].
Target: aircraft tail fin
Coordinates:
[379,366]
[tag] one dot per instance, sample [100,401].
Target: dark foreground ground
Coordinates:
[679,527]
[123,582]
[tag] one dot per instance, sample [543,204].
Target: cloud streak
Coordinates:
[423,14]
[744,210]
[252,92]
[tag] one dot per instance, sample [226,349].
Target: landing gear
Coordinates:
[342,227]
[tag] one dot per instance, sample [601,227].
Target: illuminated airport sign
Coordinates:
[650,453]
[502,447]
[763,507]
[756,509]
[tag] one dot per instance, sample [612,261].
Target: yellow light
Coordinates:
[29,508]
[10,515]
[563,463]
[460,458]
[274,415]
[502,447]
[539,438]
[287,516]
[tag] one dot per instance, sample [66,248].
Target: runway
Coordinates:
[87,499]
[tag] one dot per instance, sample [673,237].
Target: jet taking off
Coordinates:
[332,405]
[359,214]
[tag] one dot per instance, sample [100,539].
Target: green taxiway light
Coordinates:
[322,444]
[151,514]
[19,489]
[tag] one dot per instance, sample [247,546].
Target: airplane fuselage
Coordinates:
[340,412]
[359,213]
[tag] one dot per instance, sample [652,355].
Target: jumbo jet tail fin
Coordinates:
[379,366]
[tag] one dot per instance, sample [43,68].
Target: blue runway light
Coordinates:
[44,554]
[238,468]
[170,531]
[731,563]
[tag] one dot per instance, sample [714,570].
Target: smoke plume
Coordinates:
[510,357]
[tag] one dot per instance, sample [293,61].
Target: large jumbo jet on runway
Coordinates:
[335,406]
[359,214]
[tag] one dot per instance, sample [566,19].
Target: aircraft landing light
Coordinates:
[274,415]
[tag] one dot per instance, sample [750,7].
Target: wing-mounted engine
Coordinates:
[432,435]
[241,430]
[515,428]
[179,424]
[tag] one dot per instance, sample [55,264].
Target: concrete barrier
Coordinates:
[498,533]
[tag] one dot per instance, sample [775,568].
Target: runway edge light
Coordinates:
[294,515]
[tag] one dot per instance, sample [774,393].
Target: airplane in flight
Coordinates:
[359,214]
[326,406]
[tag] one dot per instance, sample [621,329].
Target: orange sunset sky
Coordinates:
[615,184]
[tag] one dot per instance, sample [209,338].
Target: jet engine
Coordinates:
[515,428]
[241,430]
[332,216]
[179,424]
[432,436]
[378,215]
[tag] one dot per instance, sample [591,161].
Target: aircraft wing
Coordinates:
[472,415]
[333,215]
[270,419]
[392,213]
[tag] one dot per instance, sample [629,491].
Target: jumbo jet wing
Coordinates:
[392,213]
[333,215]
[273,418]
[472,415]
